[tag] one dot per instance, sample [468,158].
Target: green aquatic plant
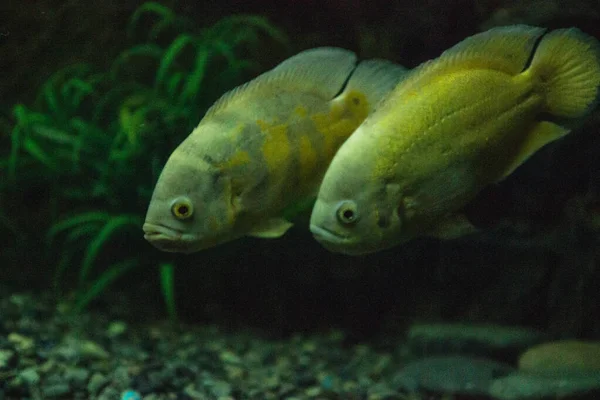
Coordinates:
[97,139]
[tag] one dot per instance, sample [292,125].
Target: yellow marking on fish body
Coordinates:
[301,111]
[358,105]
[264,126]
[345,115]
[308,159]
[239,158]
[276,148]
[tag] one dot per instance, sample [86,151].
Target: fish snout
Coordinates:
[335,237]
[164,238]
[325,228]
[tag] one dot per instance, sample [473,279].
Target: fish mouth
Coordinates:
[339,243]
[323,234]
[168,239]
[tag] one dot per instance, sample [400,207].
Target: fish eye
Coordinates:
[182,208]
[347,213]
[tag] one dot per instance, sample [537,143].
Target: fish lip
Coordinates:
[337,242]
[156,231]
[321,232]
[167,239]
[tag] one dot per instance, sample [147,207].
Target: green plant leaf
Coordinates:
[170,57]
[193,83]
[37,152]
[162,12]
[99,285]
[125,59]
[74,221]
[104,235]
[167,283]
[61,268]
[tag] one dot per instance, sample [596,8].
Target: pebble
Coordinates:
[313,391]
[562,357]
[116,328]
[221,389]
[29,376]
[157,363]
[72,349]
[7,358]
[58,389]
[77,376]
[93,350]
[521,386]
[23,344]
[131,395]
[451,374]
[96,382]
[474,339]
[109,393]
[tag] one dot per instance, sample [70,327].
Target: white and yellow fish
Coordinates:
[263,148]
[456,124]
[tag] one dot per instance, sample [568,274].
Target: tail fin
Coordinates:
[567,61]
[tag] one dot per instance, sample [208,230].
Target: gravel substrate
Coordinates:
[45,354]
[48,353]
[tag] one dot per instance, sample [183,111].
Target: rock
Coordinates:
[475,339]
[93,350]
[77,376]
[109,393]
[30,376]
[221,389]
[451,374]
[520,385]
[23,344]
[121,378]
[116,328]
[96,382]
[8,359]
[130,395]
[554,369]
[562,357]
[59,389]
[73,348]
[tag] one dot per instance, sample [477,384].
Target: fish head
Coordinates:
[354,212]
[191,208]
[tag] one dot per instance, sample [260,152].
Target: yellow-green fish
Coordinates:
[454,125]
[262,148]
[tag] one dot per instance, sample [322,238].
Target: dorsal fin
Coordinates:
[322,71]
[506,49]
[375,78]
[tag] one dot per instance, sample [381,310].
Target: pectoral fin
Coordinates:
[452,227]
[540,135]
[270,229]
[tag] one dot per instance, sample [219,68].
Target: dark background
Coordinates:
[540,268]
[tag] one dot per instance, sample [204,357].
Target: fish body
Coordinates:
[455,125]
[262,148]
